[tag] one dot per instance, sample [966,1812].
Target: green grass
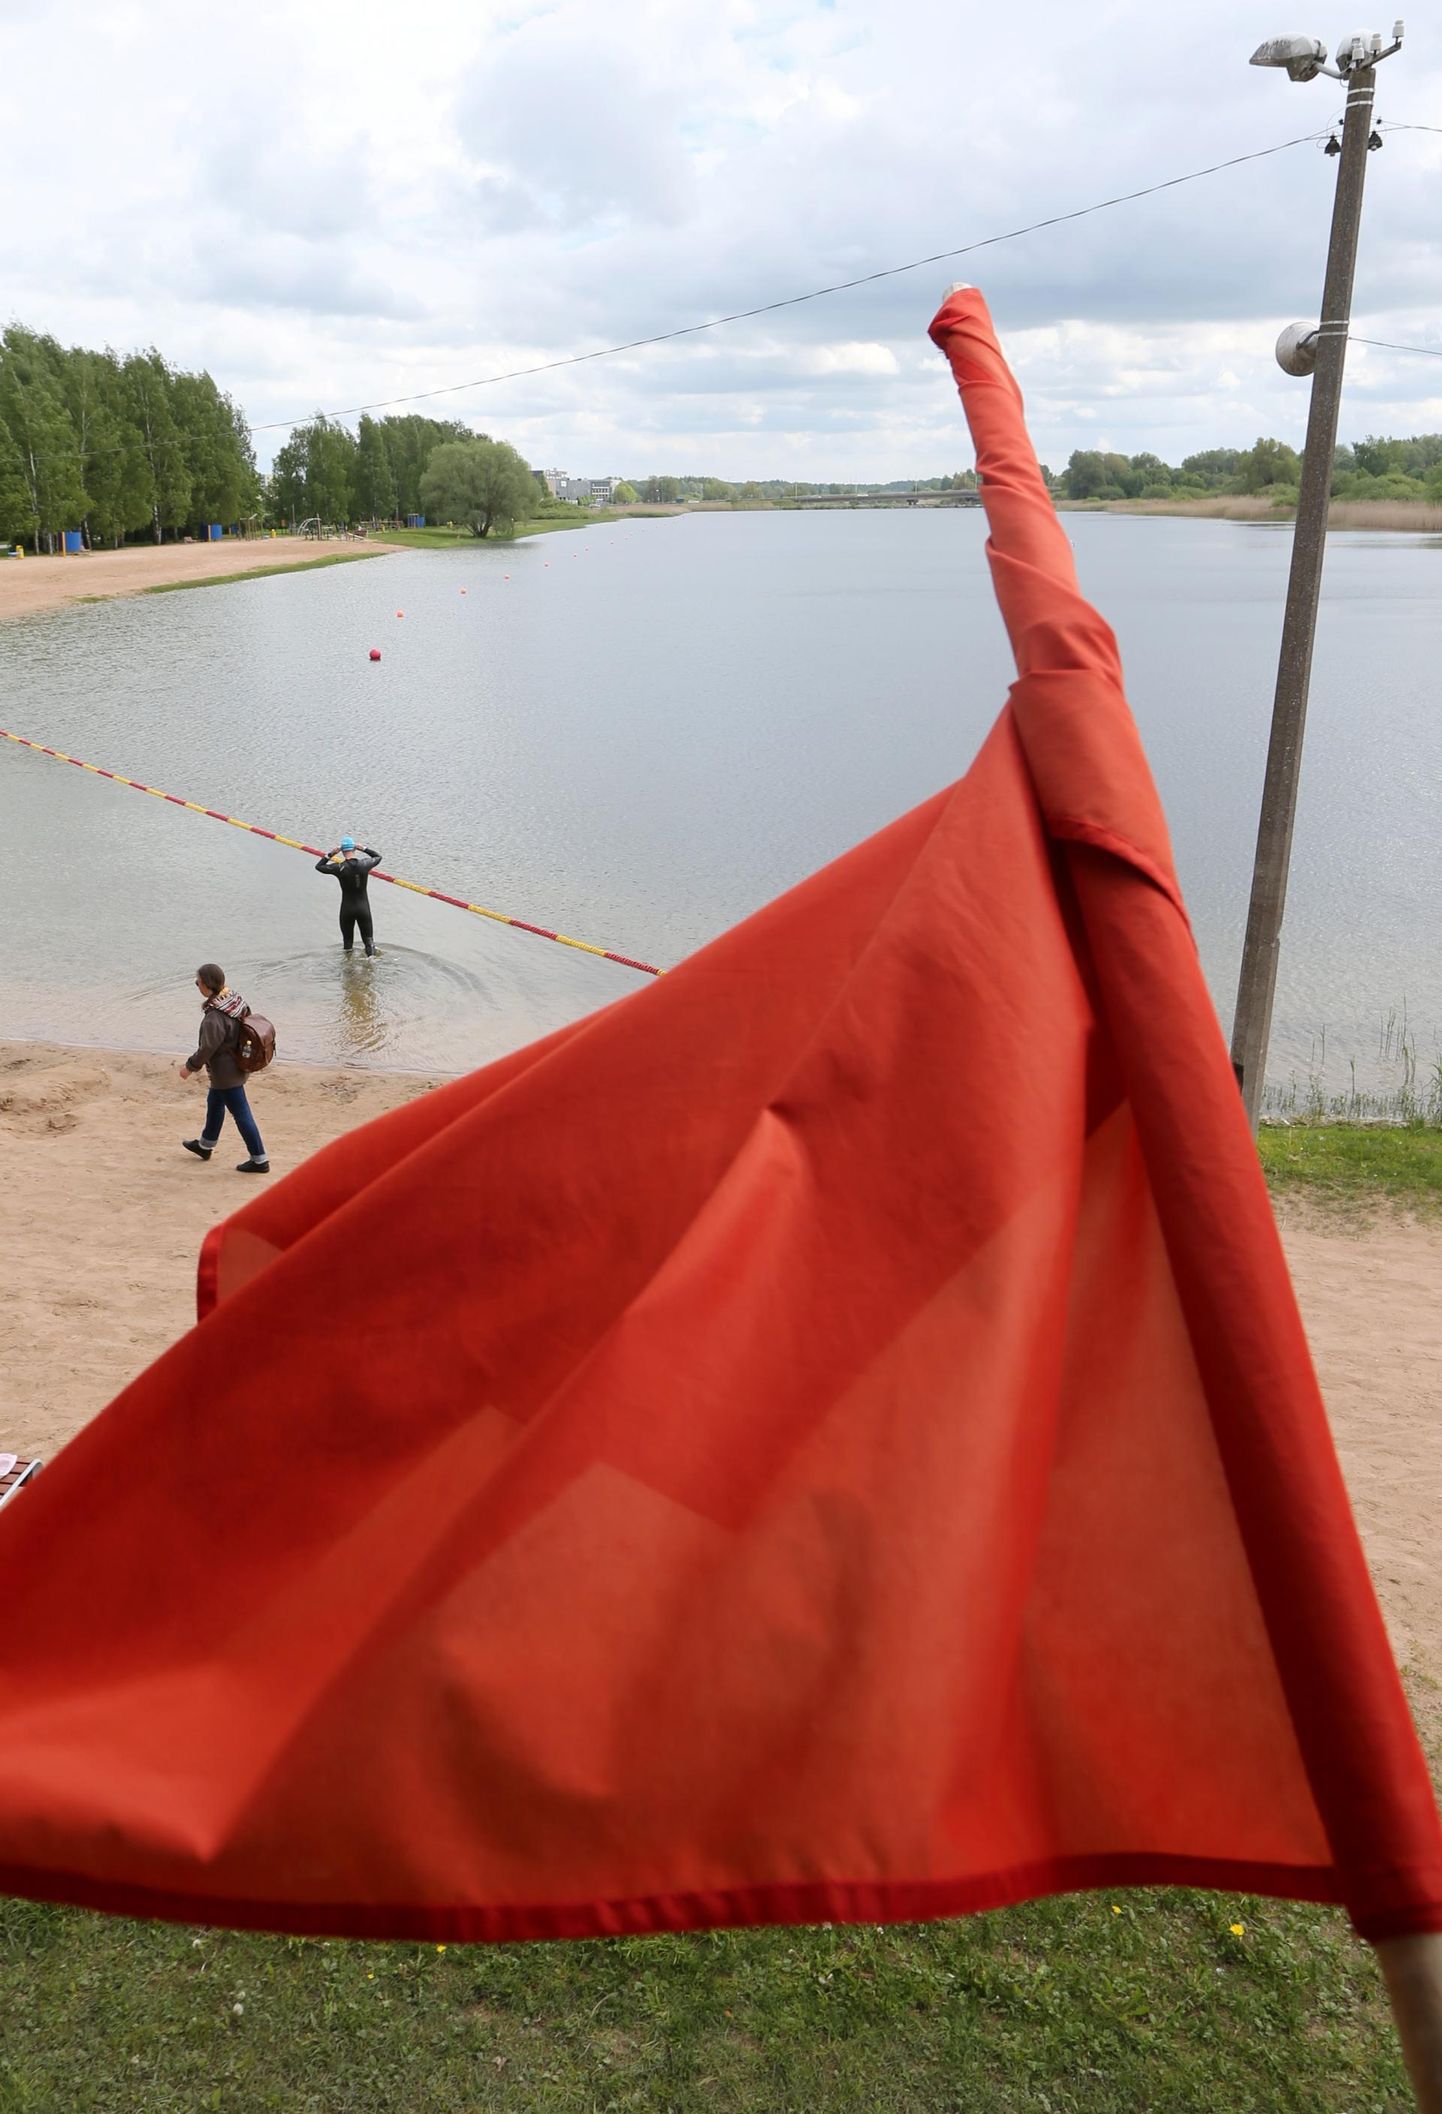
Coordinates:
[256,572]
[448,539]
[433,539]
[1062,2006]
[1355,1163]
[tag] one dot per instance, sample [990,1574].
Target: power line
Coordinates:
[818,293]
[1431,352]
[765,308]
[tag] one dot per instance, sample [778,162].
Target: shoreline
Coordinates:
[1275,1127]
[13,1046]
[1412,517]
[32,586]
[1285,1139]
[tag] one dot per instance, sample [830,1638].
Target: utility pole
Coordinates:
[1412,1964]
[1299,351]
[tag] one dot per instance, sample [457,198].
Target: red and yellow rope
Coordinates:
[478,910]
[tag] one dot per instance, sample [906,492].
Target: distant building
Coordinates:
[578,491]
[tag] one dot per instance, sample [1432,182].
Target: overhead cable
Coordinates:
[1430,352]
[817,293]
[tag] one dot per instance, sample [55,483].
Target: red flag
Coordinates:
[829,1436]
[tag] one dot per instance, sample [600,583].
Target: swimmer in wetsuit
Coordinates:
[350,863]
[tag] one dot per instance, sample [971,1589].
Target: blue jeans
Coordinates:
[217,1101]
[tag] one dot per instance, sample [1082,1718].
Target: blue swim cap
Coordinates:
[347,843]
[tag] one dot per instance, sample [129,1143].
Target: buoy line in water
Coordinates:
[497,917]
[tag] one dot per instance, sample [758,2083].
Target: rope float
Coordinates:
[497,917]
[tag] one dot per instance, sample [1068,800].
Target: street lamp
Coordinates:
[1303,57]
[1319,350]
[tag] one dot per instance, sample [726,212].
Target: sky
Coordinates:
[331,205]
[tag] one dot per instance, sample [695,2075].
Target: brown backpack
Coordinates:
[254,1043]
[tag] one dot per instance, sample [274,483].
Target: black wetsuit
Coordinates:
[355,909]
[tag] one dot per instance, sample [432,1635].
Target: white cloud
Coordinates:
[334,204]
[849,359]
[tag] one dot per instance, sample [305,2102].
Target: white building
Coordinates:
[579,491]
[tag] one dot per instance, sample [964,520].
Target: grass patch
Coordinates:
[1064,2005]
[563,517]
[256,572]
[449,539]
[436,539]
[1350,1163]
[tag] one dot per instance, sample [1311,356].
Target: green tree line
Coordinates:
[718,491]
[116,448]
[373,474]
[127,448]
[1374,468]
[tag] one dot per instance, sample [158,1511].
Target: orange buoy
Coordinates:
[375,653]
[400,612]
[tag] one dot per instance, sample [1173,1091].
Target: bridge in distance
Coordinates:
[854,499]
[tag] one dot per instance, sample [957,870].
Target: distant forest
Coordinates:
[130,449]
[1375,468]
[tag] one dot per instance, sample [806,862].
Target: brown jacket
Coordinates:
[216,1048]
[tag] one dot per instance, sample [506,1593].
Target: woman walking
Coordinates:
[221,1012]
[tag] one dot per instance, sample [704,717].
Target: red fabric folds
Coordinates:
[829,1436]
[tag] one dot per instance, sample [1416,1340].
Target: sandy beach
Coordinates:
[102,1216]
[31,584]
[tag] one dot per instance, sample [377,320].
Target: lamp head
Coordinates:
[1303,57]
[1297,348]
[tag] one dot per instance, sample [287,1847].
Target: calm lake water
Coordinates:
[637,734]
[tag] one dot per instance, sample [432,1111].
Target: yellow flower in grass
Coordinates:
[1238,1930]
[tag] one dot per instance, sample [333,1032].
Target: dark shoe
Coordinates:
[252,1167]
[202,1152]
[370,954]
